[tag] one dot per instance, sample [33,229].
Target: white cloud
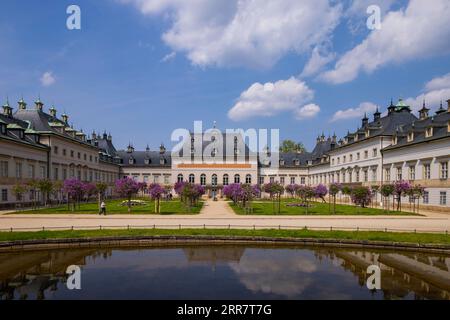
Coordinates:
[169,56]
[436,91]
[308,111]
[319,59]
[438,83]
[270,99]
[243,32]
[419,31]
[47,79]
[358,112]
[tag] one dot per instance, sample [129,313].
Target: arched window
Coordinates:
[203,179]
[180,178]
[237,178]
[225,179]
[248,179]
[191,178]
[214,180]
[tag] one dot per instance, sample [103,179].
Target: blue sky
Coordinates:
[112,74]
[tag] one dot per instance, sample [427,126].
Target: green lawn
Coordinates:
[115,207]
[417,238]
[317,208]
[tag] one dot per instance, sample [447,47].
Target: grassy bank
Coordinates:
[418,238]
[116,207]
[317,208]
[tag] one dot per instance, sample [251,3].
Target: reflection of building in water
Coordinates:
[214,254]
[30,274]
[401,274]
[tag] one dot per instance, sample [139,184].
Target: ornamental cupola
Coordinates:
[391,107]
[377,115]
[65,118]
[441,109]
[52,111]
[130,148]
[162,149]
[423,113]
[22,104]
[365,120]
[39,104]
[7,110]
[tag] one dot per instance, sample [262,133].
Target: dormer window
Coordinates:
[147,161]
[281,162]
[367,133]
[162,161]
[410,136]
[297,162]
[394,140]
[131,161]
[429,132]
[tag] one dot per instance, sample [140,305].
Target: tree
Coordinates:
[156,192]
[346,190]
[401,188]
[101,188]
[89,189]
[57,190]
[334,190]
[74,190]
[361,196]
[19,190]
[46,187]
[305,193]
[292,189]
[32,186]
[233,191]
[321,191]
[275,190]
[126,188]
[291,146]
[386,191]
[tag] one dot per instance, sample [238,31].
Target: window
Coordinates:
[4,169]
[248,179]
[410,136]
[85,157]
[366,176]
[374,152]
[55,150]
[55,173]
[79,155]
[366,154]
[155,179]
[166,179]
[292,180]
[444,170]
[147,161]
[399,174]
[90,158]
[358,156]
[338,160]
[351,158]
[64,152]
[225,179]
[237,178]
[443,198]
[426,171]
[426,197]
[64,174]
[4,194]
[191,178]
[18,170]
[345,159]
[429,132]
[374,174]
[203,179]
[272,179]
[282,180]
[131,161]
[146,179]
[214,180]
[412,173]
[180,178]
[72,153]
[261,180]
[357,175]
[332,161]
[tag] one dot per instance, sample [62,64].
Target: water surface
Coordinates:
[223,272]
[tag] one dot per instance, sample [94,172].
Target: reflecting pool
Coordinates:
[223,272]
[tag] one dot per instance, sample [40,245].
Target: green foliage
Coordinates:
[291,146]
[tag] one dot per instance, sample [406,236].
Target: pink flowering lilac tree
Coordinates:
[156,192]
[127,188]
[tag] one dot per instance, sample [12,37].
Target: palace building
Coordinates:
[35,144]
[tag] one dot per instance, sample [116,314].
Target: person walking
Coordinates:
[103,208]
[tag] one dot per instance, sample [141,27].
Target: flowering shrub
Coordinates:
[126,188]
[156,192]
[334,190]
[401,189]
[361,196]
[74,189]
[320,191]
[292,189]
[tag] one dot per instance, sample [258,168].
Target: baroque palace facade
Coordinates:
[35,144]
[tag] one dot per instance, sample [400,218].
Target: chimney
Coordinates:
[53,111]
[39,104]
